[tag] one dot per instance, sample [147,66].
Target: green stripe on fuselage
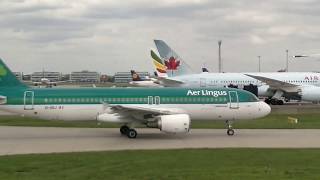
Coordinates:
[124,95]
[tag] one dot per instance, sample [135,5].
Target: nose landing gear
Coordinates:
[230,130]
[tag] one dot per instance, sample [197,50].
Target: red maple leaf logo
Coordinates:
[172,63]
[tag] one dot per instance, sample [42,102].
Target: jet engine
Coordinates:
[309,93]
[177,123]
[265,91]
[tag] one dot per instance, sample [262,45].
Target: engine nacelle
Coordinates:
[310,93]
[3,99]
[177,123]
[264,91]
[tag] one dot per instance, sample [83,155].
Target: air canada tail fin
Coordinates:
[7,78]
[173,62]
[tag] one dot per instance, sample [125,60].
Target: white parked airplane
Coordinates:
[275,86]
[147,82]
[307,56]
[169,109]
[45,82]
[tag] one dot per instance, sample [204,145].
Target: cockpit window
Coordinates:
[253,98]
[248,97]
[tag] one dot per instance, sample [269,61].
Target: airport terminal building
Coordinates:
[85,76]
[19,75]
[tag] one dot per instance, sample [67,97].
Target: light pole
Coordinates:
[220,63]
[259,63]
[287,64]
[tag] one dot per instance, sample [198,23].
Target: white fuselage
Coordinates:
[241,79]
[234,111]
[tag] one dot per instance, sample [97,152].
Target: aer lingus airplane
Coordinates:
[174,72]
[169,109]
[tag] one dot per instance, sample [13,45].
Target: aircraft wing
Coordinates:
[3,99]
[58,82]
[135,113]
[138,109]
[158,82]
[170,82]
[272,82]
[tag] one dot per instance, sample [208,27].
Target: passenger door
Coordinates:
[233,99]
[154,100]
[150,100]
[157,100]
[28,100]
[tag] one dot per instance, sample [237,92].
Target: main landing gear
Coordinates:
[131,133]
[230,131]
[274,101]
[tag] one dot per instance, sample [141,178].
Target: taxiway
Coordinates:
[29,140]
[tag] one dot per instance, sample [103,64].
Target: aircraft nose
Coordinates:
[264,109]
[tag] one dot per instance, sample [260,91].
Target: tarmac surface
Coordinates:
[31,140]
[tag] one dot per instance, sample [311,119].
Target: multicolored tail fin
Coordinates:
[161,69]
[7,78]
[135,76]
[175,66]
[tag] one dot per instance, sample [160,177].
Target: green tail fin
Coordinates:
[7,78]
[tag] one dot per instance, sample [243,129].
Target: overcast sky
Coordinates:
[116,35]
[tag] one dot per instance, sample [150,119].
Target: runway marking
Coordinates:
[26,140]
